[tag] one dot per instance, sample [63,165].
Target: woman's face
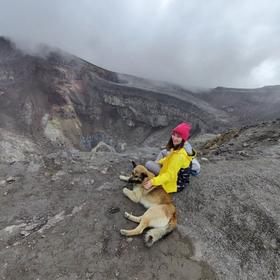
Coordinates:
[176,138]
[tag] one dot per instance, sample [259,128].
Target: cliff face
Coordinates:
[70,101]
[73,102]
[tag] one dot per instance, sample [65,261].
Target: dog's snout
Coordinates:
[135,177]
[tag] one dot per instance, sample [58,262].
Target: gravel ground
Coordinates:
[61,212]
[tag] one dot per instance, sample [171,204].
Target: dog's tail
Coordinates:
[155,234]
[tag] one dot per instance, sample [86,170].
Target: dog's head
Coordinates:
[139,174]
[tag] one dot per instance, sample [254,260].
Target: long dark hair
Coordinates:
[170,145]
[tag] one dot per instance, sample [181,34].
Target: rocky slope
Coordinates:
[73,102]
[248,105]
[70,101]
[61,211]
[233,209]
[61,205]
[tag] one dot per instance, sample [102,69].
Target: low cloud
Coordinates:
[191,43]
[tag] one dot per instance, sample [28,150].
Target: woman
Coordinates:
[174,167]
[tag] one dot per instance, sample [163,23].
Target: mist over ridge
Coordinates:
[193,44]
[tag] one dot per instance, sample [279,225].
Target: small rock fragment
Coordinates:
[10,179]
[3,183]
[104,171]
[114,210]
[24,233]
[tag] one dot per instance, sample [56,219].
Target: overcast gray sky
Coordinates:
[210,43]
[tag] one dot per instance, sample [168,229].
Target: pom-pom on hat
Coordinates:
[183,129]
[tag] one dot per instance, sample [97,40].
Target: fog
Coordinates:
[191,43]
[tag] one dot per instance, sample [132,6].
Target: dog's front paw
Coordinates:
[126,191]
[124,178]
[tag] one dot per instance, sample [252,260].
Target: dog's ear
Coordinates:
[143,176]
[133,163]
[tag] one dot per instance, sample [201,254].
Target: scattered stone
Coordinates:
[106,186]
[204,159]
[215,146]
[129,239]
[31,226]
[33,167]
[93,167]
[114,210]
[57,162]
[10,179]
[53,221]
[11,231]
[77,209]
[102,147]
[24,233]
[242,153]
[273,244]
[58,175]
[92,181]
[3,183]
[122,147]
[245,144]
[105,170]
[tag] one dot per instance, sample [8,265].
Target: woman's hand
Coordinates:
[148,185]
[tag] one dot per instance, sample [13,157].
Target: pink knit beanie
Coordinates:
[183,129]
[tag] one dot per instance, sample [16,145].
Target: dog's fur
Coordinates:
[161,213]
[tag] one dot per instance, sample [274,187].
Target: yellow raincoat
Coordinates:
[171,164]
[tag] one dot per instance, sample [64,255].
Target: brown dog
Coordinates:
[161,213]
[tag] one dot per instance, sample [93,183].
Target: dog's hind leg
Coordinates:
[155,234]
[133,218]
[138,230]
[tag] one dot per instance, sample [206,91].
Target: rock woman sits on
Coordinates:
[174,164]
